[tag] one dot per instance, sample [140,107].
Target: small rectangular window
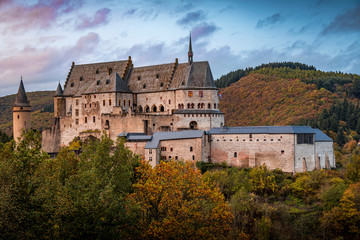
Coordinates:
[109,102]
[93,118]
[190,93]
[150,159]
[103,102]
[85,119]
[76,112]
[77,102]
[77,121]
[201,94]
[150,151]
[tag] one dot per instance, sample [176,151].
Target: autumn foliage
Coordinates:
[176,203]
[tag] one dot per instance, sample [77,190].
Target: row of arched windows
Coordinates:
[199,106]
[154,108]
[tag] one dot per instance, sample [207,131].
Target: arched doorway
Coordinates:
[193,125]
[147,109]
[154,108]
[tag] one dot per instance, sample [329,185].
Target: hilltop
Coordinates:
[41,106]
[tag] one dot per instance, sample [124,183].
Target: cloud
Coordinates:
[100,18]
[343,23]
[191,18]
[276,18]
[202,30]
[41,68]
[41,15]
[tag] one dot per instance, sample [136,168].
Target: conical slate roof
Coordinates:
[59,91]
[21,98]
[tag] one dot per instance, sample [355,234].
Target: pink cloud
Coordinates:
[100,17]
[43,66]
[18,17]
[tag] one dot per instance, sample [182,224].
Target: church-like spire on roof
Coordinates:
[59,91]
[21,98]
[190,53]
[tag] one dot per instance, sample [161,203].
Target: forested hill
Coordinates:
[259,99]
[293,94]
[41,106]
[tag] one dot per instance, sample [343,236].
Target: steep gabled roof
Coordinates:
[81,77]
[21,98]
[107,83]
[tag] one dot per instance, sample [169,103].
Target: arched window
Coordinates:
[214,105]
[154,108]
[203,105]
[147,109]
[235,154]
[192,106]
[179,106]
[193,125]
[182,106]
[107,124]
[188,105]
[191,149]
[209,106]
[97,71]
[140,109]
[199,105]
[162,108]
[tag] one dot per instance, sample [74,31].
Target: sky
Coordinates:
[40,39]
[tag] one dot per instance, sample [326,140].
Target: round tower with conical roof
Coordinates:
[21,112]
[59,102]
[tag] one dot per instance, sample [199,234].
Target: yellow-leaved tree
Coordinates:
[176,203]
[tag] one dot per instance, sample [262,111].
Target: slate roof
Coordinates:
[262,130]
[135,136]
[107,83]
[320,136]
[21,98]
[83,77]
[59,91]
[159,136]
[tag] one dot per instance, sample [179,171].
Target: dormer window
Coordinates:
[97,71]
[98,82]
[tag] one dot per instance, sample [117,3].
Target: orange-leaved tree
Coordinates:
[176,203]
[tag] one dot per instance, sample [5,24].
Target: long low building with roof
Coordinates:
[289,148]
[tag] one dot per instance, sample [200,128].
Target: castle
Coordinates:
[169,111]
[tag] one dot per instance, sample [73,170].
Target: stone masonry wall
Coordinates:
[275,150]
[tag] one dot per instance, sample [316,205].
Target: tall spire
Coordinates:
[21,98]
[190,53]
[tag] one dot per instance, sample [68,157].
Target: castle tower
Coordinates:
[21,112]
[190,52]
[59,102]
